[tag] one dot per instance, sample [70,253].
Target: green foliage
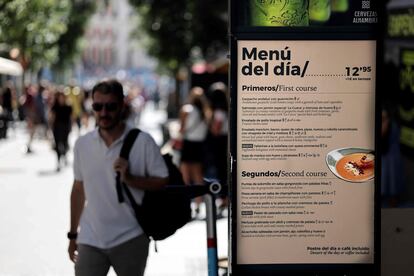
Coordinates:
[45,31]
[210,26]
[177,27]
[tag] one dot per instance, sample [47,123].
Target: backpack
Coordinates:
[164,211]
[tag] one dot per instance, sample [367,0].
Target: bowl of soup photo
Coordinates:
[352,164]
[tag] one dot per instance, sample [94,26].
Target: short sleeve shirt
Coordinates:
[105,222]
[195,126]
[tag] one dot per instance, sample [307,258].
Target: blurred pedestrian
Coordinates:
[41,103]
[109,234]
[136,103]
[7,109]
[156,98]
[87,111]
[3,124]
[219,128]
[31,113]
[75,99]
[193,128]
[61,124]
[7,101]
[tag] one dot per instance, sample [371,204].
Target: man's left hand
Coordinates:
[121,165]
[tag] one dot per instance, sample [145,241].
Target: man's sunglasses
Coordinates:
[108,106]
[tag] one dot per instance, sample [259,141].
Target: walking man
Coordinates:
[104,232]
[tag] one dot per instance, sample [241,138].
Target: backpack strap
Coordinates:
[125,150]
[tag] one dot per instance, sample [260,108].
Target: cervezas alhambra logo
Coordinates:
[365,15]
[366,5]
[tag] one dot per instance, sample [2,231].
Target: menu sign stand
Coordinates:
[304,138]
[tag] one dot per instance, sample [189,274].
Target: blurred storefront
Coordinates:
[203,74]
[398,98]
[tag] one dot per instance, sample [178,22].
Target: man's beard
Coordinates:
[113,122]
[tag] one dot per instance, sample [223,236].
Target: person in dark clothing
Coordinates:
[61,124]
[219,128]
[6,110]
[31,113]
[7,101]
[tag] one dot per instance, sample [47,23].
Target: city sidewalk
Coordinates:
[34,207]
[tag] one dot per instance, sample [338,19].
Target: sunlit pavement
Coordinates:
[34,212]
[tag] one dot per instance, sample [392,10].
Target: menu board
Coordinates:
[305,152]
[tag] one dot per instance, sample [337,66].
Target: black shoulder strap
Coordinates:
[126,148]
[128,142]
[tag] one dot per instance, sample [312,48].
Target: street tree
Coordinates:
[178,29]
[34,28]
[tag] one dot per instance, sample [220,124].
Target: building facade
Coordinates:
[109,44]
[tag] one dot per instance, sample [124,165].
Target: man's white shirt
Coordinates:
[105,222]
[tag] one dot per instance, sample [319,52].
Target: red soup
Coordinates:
[355,167]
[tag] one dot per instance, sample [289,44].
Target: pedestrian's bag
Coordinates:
[164,211]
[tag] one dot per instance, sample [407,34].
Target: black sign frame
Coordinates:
[240,33]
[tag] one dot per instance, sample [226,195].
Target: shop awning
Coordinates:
[10,67]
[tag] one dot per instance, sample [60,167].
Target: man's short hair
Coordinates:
[110,87]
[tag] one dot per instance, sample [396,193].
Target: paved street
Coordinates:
[34,212]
